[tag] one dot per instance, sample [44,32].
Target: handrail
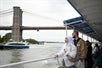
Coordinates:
[23,62]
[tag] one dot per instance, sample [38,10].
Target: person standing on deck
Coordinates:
[99,58]
[81,49]
[89,60]
[67,49]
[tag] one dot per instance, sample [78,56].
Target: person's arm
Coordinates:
[73,51]
[60,53]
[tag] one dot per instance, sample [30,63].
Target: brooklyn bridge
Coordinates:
[17,27]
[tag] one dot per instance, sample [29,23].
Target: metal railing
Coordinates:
[23,62]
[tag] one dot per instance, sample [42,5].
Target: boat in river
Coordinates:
[15,45]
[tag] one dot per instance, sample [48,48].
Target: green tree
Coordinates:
[32,41]
[6,37]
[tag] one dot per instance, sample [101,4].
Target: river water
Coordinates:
[35,52]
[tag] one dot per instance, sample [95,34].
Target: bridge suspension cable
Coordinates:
[41,16]
[5,12]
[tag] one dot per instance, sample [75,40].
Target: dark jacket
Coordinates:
[99,61]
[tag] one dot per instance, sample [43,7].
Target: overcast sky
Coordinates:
[39,13]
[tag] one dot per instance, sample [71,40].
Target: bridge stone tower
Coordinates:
[17,24]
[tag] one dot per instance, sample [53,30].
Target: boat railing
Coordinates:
[23,62]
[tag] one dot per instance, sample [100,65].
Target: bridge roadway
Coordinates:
[35,28]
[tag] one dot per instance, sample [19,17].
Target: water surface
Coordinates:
[35,52]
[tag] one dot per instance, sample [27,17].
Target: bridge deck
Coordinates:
[35,28]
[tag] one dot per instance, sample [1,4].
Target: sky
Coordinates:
[39,13]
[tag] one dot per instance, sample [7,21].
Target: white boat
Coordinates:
[16,45]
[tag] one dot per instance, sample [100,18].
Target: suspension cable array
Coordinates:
[10,11]
[41,16]
[5,12]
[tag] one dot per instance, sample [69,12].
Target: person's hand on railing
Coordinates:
[56,56]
